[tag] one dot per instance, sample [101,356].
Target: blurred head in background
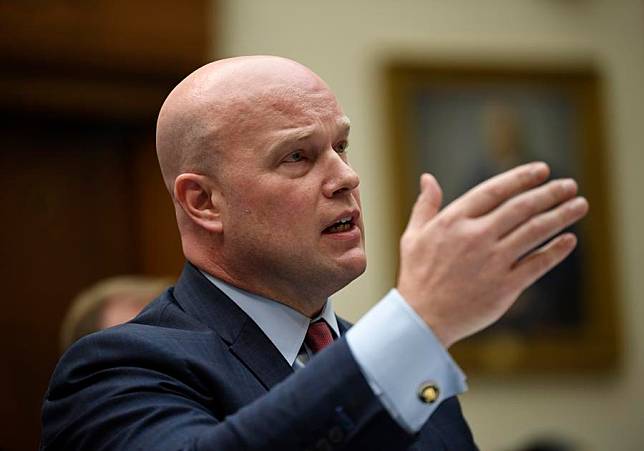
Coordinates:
[107,303]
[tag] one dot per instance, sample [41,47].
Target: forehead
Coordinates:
[293,104]
[288,110]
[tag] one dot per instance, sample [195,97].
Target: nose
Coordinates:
[340,176]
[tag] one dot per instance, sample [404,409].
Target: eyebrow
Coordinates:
[345,123]
[292,135]
[296,134]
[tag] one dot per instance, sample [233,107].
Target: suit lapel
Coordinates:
[260,356]
[343,325]
[246,341]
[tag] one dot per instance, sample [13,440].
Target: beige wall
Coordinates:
[347,42]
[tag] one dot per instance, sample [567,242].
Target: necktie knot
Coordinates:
[318,336]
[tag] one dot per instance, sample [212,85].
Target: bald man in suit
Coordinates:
[245,352]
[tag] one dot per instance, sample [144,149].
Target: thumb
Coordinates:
[428,202]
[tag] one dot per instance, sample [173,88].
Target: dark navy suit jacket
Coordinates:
[194,372]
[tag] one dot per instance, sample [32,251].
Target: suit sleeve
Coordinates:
[122,392]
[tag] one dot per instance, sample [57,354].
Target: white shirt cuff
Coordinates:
[398,353]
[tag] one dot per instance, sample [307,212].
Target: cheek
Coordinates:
[278,211]
[290,213]
[356,196]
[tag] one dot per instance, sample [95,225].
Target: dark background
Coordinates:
[82,198]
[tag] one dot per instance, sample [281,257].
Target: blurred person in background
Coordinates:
[108,302]
[245,351]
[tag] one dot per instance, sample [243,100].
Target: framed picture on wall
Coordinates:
[466,124]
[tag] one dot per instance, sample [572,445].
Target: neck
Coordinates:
[313,305]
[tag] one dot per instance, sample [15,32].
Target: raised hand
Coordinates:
[463,267]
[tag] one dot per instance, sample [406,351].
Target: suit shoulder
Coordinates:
[163,333]
[166,313]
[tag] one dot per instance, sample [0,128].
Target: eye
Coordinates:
[341,147]
[294,157]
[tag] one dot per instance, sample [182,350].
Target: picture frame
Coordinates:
[466,123]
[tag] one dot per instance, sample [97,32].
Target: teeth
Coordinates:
[340,228]
[342,225]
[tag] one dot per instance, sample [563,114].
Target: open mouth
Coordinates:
[343,225]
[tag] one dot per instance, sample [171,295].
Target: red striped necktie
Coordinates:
[319,336]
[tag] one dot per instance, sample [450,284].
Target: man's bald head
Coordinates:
[216,106]
[253,151]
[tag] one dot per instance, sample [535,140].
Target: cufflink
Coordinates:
[428,392]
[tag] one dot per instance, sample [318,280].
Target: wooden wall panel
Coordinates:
[159,243]
[67,222]
[144,36]
[81,83]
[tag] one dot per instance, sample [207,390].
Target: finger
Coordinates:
[524,206]
[541,227]
[428,202]
[493,192]
[533,266]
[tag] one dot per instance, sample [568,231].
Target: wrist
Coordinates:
[432,321]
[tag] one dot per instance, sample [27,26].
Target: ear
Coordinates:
[199,200]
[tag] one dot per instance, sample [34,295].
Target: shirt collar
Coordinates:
[283,325]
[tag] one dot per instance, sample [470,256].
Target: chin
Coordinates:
[347,276]
[332,278]
[354,266]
